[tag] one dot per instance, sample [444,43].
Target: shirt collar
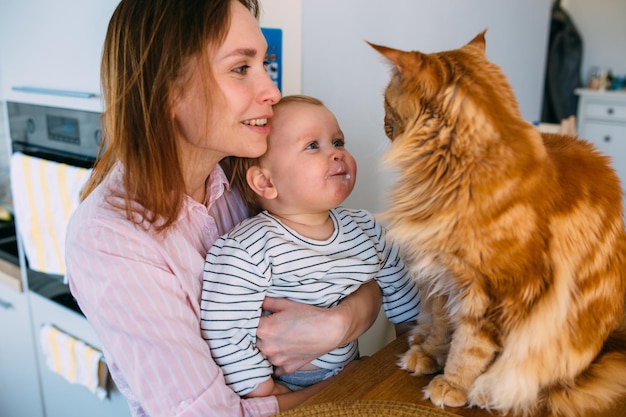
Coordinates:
[217,184]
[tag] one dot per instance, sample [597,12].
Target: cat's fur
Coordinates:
[517,238]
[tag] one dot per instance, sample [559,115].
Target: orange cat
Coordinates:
[517,238]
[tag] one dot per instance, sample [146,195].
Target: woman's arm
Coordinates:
[269,387]
[148,321]
[296,333]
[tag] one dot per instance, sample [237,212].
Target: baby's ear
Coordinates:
[261,183]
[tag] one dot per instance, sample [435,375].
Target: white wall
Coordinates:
[602,25]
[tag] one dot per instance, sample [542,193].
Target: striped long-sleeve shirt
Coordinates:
[140,290]
[261,257]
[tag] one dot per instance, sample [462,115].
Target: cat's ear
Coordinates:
[406,62]
[261,183]
[479,41]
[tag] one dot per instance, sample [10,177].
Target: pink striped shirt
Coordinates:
[141,293]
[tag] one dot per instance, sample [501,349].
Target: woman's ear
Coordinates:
[260,182]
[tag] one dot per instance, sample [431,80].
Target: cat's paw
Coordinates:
[444,394]
[417,339]
[418,362]
[419,334]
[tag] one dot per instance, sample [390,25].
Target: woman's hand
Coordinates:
[295,333]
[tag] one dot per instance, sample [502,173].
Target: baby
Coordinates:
[302,245]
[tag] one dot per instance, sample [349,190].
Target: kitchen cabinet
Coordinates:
[602,121]
[19,382]
[60,398]
[53,45]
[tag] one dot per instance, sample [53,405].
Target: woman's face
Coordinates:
[237,124]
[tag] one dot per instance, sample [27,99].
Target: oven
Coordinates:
[48,136]
[52,152]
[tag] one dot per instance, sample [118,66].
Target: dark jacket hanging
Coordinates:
[565,50]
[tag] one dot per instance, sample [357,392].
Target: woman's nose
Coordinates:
[270,91]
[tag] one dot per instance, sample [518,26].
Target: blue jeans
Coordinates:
[302,379]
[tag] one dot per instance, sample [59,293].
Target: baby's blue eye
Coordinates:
[312,145]
[339,143]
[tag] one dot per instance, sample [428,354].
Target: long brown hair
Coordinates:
[147,48]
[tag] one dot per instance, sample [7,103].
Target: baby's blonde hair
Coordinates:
[240,165]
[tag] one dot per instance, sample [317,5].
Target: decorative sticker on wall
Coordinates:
[274,38]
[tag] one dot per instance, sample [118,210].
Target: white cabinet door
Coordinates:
[53,45]
[19,380]
[611,140]
[602,121]
[61,398]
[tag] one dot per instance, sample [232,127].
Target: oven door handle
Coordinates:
[53,155]
[54,92]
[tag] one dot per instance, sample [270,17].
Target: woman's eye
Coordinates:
[242,69]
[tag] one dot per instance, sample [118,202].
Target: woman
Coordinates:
[185,87]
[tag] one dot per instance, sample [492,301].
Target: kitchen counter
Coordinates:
[378,378]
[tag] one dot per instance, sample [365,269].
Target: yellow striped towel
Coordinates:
[74,360]
[45,194]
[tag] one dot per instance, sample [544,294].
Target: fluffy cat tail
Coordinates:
[598,387]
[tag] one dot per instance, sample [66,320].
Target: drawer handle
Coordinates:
[610,110]
[6,304]
[607,138]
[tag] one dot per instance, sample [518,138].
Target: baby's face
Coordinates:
[309,164]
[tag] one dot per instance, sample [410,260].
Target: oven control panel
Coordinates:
[55,133]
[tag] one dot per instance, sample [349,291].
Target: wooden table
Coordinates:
[379,378]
